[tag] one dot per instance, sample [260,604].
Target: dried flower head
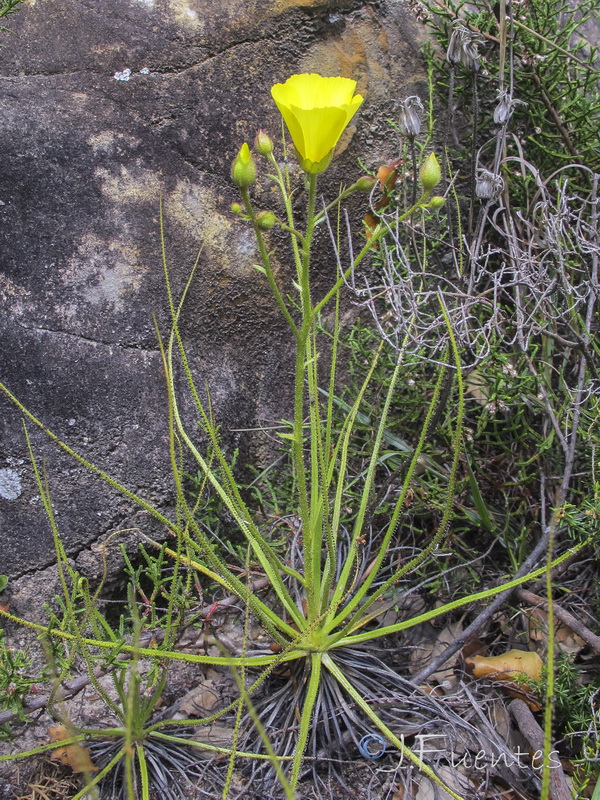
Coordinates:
[463,47]
[411,111]
[505,107]
[488,185]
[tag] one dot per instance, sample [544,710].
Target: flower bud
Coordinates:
[436,202]
[263,143]
[236,208]
[430,173]
[243,169]
[364,184]
[265,220]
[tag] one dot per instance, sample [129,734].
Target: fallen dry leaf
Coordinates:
[202,701]
[453,778]
[216,735]
[429,643]
[511,669]
[568,641]
[70,755]
[58,733]
[444,638]
[507,664]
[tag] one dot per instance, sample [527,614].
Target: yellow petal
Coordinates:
[314,91]
[317,129]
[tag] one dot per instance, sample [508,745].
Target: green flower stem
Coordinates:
[291,231]
[311,502]
[266,261]
[366,708]
[298,441]
[319,506]
[302,261]
[307,311]
[281,182]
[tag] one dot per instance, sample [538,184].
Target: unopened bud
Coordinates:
[364,184]
[265,220]
[436,202]
[430,173]
[236,208]
[243,169]
[263,144]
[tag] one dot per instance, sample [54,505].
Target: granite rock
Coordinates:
[107,108]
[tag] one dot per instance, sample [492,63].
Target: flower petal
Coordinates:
[314,91]
[320,130]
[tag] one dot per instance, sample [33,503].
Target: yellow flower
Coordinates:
[316,111]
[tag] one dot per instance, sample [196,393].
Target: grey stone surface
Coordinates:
[106,107]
